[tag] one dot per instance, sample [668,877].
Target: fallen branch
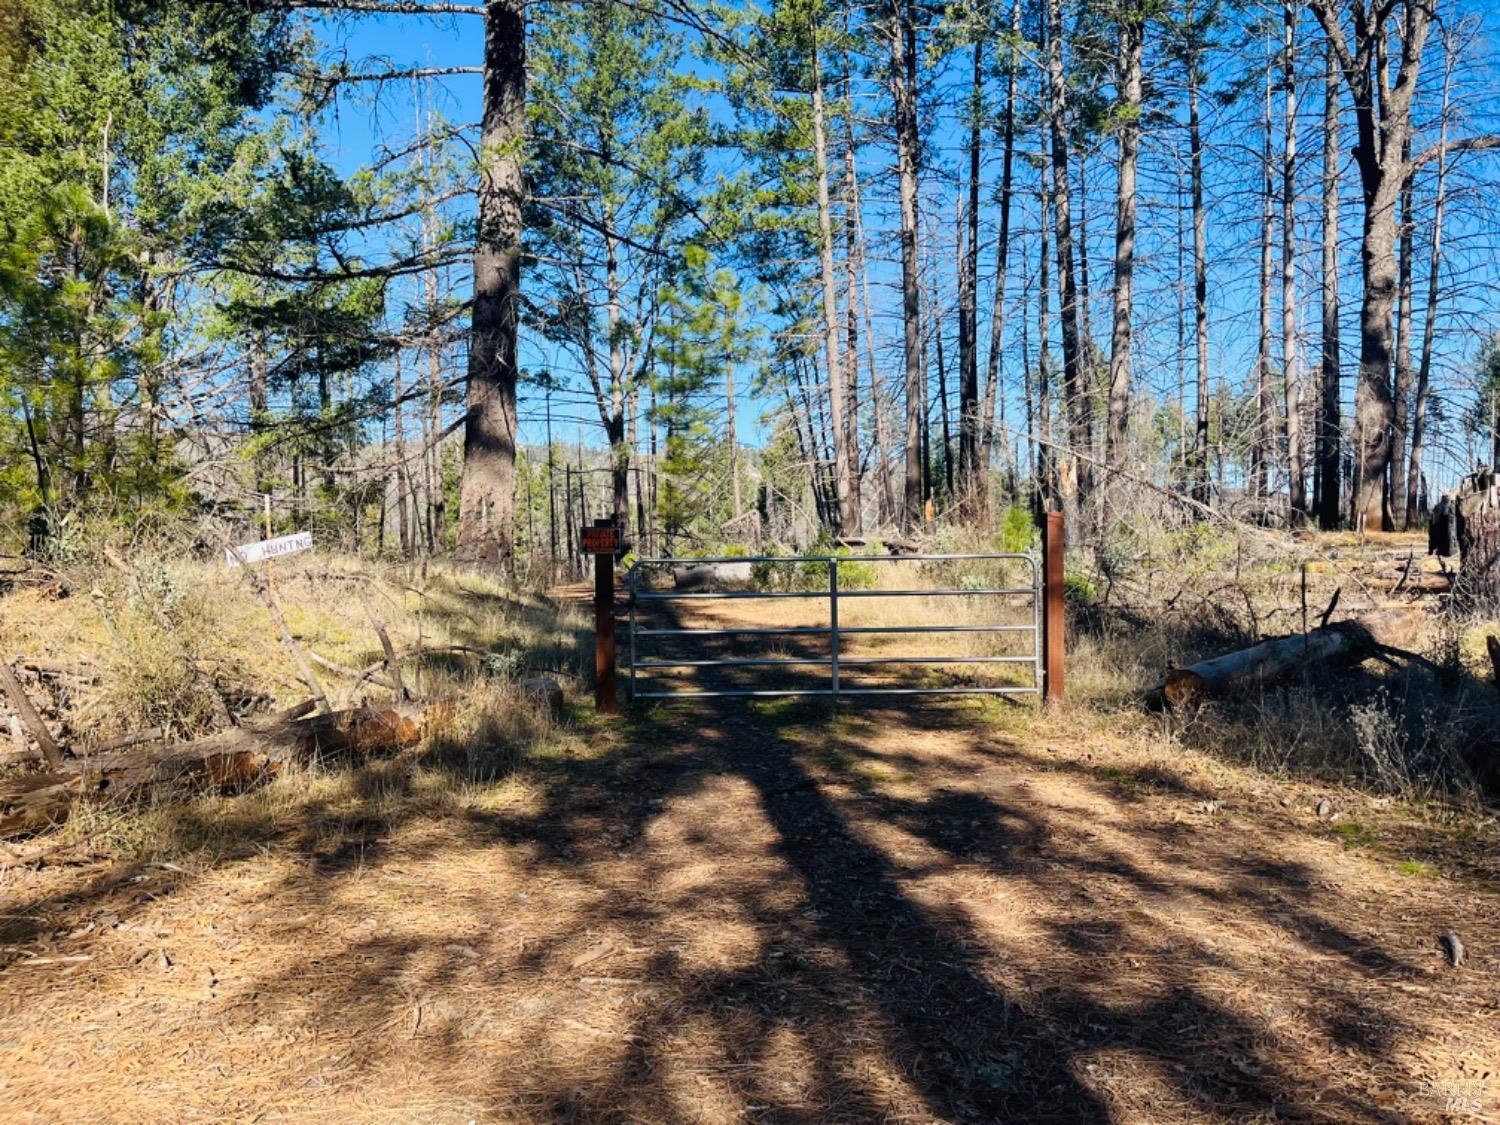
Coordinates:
[1333,603]
[385,644]
[79,671]
[229,758]
[28,716]
[375,669]
[258,585]
[353,673]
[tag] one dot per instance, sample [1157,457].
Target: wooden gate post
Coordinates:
[602,541]
[1052,607]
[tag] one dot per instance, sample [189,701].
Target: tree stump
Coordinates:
[1476,515]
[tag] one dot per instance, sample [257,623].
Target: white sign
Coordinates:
[270,548]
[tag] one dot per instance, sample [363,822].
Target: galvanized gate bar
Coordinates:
[835,660]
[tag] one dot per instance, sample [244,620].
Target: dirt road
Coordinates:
[746,911]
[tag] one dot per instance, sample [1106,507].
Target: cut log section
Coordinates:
[1347,642]
[228,759]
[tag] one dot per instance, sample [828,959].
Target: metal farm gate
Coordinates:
[1023,600]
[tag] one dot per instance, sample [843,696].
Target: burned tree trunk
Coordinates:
[1475,512]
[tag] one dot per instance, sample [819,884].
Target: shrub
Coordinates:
[1079,586]
[858,575]
[1017,533]
[810,572]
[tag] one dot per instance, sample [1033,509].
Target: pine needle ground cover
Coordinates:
[756,911]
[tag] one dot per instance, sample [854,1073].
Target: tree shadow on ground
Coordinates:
[794,930]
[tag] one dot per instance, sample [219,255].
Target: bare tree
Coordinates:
[1329,507]
[1382,110]
[1291,370]
[1075,392]
[903,37]
[972,473]
[992,390]
[1260,449]
[1401,391]
[1200,253]
[1132,28]
[1434,262]
[887,510]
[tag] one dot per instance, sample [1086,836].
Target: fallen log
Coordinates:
[230,758]
[134,738]
[1346,642]
[36,801]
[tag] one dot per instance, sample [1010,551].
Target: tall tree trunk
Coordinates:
[1429,322]
[1132,27]
[972,473]
[486,534]
[327,451]
[1291,369]
[1046,449]
[1260,450]
[843,471]
[925,394]
[1383,115]
[734,442]
[619,446]
[260,406]
[432,422]
[1200,265]
[851,350]
[1403,381]
[1330,508]
[1088,357]
[1078,401]
[992,389]
[403,480]
[904,82]
[877,400]
[935,320]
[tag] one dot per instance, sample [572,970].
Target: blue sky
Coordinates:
[1233,180]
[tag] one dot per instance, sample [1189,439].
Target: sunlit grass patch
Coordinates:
[1417,869]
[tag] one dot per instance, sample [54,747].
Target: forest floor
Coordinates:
[733,910]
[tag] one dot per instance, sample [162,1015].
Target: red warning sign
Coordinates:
[601,540]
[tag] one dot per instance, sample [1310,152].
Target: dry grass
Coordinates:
[219,627]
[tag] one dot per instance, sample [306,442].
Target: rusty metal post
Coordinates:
[604,634]
[1052,607]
